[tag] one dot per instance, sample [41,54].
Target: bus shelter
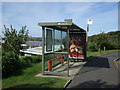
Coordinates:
[62,43]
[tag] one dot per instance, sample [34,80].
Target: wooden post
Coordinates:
[99,50]
[49,65]
[104,49]
[62,60]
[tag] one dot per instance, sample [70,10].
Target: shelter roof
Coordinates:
[63,26]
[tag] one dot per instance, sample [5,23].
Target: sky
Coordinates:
[103,14]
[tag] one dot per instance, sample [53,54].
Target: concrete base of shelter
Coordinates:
[74,68]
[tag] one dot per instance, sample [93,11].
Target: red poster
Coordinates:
[76,46]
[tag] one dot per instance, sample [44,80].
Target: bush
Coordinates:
[26,59]
[10,62]
[106,44]
[116,46]
[26,47]
[31,59]
[36,59]
[92,46]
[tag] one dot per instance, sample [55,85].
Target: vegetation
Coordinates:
[26,79]
[12,64]
[107,40]
[14,39]
[9,63]
[10,49]
[32,59]
[19,71]
[38,39]
[94,54]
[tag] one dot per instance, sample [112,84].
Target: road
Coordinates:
[100,72]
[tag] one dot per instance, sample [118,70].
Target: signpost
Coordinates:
[89,21]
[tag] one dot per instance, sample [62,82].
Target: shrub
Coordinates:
[36,59]
[116,46]
[26,47]
[10,62]
[106,44]
[92,46]
[26,59]
[14,38]
[30,59]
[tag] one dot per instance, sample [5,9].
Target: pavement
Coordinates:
[60,71]
[100,72]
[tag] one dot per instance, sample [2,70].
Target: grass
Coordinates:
[93,54]
[27,77]
[28,80]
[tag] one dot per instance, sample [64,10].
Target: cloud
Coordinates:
[107,21]
[77,8]
[104,15]
[31,13]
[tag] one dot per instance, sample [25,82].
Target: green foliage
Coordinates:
[94,54]
[114,39]
[36,59]
[31,59]
[26,47]
[103,41]
[10,63]
[107,40]
[92,46]
[10,49]
[14,39]
[28,80]
[26,59]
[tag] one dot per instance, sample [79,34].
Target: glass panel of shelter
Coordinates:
[55,60]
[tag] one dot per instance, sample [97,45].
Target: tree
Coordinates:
[92,46]
[14,39]
[102,40]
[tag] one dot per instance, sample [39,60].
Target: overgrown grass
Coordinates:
[93,54]
[27,79]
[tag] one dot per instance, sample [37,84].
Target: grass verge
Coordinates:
[27,79]
[93,54]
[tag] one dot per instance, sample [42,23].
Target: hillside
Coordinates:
[34,39]
[108,40]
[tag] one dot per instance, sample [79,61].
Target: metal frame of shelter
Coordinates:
[67,26]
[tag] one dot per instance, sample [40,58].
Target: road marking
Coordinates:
[115,61]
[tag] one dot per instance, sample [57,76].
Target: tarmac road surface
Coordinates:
[100,72]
